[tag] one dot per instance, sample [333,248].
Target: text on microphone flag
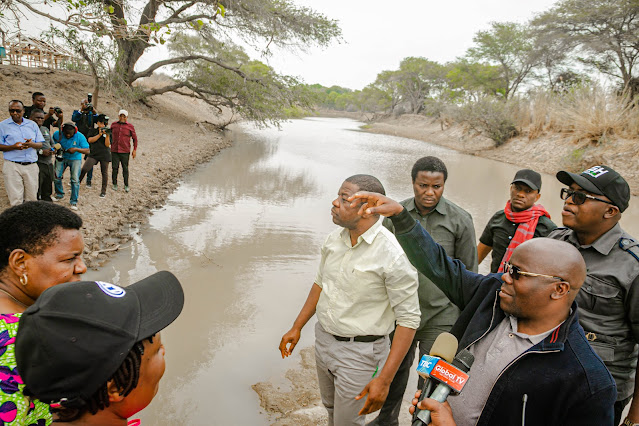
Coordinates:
[446,373]
[426,365]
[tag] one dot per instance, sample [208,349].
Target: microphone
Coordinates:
[444,347]
[451,378]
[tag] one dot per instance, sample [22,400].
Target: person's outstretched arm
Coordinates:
[428,257]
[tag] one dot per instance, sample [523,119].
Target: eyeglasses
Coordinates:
[515,272]
[15,110]
[579,197]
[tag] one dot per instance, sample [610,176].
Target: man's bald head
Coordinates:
[550,274]
[556,258]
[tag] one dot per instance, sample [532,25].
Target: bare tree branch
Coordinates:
[180,59]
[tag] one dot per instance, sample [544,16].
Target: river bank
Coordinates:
[548,153]
[171,142]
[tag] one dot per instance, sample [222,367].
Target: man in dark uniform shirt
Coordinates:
[609,299]
[503,226]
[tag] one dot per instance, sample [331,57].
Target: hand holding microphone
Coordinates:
[449,378]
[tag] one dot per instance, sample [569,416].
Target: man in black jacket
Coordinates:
[533,363]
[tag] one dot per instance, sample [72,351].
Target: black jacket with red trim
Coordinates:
[560,381]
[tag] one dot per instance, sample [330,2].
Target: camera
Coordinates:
[89,105]
[105,131]
[59,152]
[57,110]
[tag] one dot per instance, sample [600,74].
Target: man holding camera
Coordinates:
[85,119]
[123,132]
[71,144]
[39,101]
[100,142]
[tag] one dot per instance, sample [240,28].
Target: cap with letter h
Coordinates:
[600,180]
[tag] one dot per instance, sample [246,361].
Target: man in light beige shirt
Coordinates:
[364,287]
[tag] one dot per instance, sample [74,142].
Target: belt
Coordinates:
[23,163]
[368,338]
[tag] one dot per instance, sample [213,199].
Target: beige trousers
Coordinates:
[21,182]
[343,370]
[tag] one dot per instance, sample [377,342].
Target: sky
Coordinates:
[377,35]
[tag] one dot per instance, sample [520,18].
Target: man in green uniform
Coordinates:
[452,227]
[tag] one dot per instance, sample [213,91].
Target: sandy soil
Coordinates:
[171,142]
[548,153]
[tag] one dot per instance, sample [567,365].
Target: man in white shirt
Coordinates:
[364,287]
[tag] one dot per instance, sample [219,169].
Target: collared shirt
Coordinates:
[368,287]
[609,303]
[121,136]
[12,133]
[499,231]
[76,141]
[493,354]
[451,227]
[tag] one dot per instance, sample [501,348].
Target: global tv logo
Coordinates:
[111,289]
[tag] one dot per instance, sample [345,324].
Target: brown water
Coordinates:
[243,233]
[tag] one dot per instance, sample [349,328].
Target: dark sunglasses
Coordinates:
[579,197]
[15,110]
[516,272]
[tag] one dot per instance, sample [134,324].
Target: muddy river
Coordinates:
[243,234]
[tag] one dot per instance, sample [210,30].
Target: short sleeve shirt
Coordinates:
[500,231]
[76,141]
[99,150]
[12,133]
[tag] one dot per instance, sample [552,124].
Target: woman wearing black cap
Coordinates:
[92,349]
[40,246]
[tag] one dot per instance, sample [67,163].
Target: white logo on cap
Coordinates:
[111,289]
[596,171]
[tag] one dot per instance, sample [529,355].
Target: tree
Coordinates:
[134,26]
[510,46]
[417,77]
[259,94]
[388,82]
[603,34]
[473,80]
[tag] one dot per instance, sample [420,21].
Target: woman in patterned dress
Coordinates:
[41,246]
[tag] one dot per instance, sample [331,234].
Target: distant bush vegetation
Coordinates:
[521,78]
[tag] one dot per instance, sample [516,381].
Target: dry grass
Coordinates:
[590,114]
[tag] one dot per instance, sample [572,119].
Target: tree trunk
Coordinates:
[129,52]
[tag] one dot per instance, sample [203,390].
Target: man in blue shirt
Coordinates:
[72,144]
[19,141]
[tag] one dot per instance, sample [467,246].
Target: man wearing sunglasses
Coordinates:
[609,300]
[19,141]
[533,364]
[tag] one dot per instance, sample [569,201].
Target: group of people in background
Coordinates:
[38,146]
[555,324]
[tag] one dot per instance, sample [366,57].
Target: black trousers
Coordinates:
[45,181]
[87,167]
[116,159]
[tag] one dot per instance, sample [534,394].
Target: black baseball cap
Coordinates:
[600,180]
[76,335]
[529,177]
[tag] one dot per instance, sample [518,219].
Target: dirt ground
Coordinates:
[171,142]
[548,153]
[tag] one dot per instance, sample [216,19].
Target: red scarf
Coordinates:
[527,221]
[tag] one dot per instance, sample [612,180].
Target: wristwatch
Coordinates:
[628,422]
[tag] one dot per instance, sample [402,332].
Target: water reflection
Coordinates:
[243,234]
